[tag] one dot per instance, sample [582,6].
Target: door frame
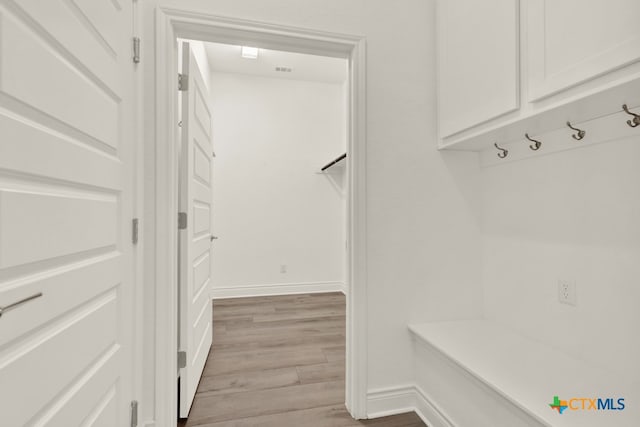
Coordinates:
[175,23]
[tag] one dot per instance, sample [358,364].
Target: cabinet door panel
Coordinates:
[573,41]
[478,57]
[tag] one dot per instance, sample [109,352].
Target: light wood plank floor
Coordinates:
[278,362]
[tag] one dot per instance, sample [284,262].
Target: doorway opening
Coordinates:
[171,25]
[263,141]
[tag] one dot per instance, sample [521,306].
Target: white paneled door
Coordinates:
[66,144]
[195,236]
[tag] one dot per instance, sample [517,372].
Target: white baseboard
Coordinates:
[429,412]
[390,401]
[277,289]
[403,399]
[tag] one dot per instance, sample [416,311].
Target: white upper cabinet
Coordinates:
[573,41]
[477,62]
[580,60]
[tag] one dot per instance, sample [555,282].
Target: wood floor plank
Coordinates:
[334,354]
[265,337]
[283,342]
[224,407]
[327,416]
[279,361]
[273,360]
[288,324]
[329,371]
[249,381]
[239,352]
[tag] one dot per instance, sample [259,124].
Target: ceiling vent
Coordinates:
[284,69]
[249,52]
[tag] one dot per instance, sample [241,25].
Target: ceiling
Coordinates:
[226,58]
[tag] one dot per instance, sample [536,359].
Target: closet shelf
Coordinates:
[334,162]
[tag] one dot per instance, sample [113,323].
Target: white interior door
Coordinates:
[195,240]
[65,212]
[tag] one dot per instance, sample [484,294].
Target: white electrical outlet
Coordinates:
[283,268]
[567,292]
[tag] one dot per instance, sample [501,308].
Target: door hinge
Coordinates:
[134,413]
[136,50]
[183,82]
[182,220]
[134,230]
[182,359]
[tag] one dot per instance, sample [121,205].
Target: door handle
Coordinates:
[214,238]
[19,303]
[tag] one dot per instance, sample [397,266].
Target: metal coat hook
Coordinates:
[636,117]
[536,144]
[503,151]
[579,135]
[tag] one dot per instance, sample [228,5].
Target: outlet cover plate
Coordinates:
[567,292]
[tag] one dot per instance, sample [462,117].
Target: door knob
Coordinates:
[214,238]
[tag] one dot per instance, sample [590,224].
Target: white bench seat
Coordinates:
[479,373]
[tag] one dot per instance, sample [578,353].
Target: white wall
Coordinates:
[422,205]
[271,205]
[571,215]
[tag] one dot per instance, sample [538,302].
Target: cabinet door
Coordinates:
[478,57]
[574,41]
